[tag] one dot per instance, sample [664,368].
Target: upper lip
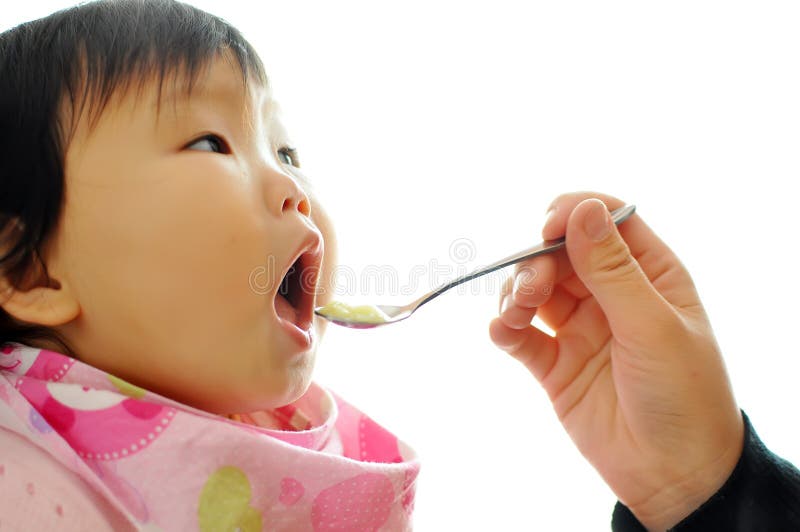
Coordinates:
[308,256]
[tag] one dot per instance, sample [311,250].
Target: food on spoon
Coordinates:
[360,313]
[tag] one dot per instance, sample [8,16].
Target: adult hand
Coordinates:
[634,372]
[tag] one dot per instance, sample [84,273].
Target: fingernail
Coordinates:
[597,223]
[505,303]
[549,215]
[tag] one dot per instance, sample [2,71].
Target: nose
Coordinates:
[285,195]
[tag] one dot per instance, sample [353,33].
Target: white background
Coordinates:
[445,121]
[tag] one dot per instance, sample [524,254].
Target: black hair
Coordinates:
[51,71]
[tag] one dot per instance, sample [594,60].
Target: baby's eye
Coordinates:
[289,156]
[212,143]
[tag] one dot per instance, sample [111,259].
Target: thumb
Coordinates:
[603,261]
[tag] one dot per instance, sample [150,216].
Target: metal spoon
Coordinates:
[395,313]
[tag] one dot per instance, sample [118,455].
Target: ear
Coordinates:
[41,305]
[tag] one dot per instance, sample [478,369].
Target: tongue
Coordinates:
[285,310]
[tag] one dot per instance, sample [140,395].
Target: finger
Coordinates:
[534,280]
[603,261]
[658,262]
[534,283]
[505,289]
[559,308]
[639,237]
[536,350]
[513,315]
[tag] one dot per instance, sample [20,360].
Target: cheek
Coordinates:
[180,252]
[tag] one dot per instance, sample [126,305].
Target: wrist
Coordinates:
[683,495]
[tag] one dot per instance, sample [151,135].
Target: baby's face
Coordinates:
[178,228]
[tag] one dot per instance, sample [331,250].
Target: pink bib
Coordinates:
[316,464]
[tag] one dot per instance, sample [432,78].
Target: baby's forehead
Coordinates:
[221,85]
[172,103]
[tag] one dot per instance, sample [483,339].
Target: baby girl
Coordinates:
[161,255]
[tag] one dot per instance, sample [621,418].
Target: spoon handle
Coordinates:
[617,215]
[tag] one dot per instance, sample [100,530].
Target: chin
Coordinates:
[284,389]
[273,392]
[300,379]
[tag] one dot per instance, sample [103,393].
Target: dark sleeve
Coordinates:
[762,493]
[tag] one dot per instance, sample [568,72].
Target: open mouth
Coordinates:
[294,299]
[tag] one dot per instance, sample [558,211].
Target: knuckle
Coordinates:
[615,258]
[572,199]
[558,199]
